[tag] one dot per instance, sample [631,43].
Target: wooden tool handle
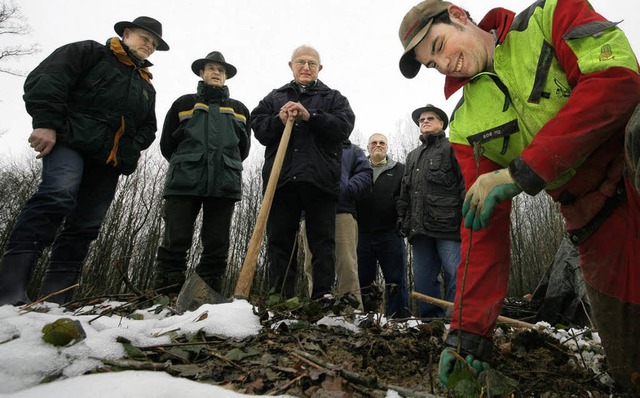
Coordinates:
[243,286]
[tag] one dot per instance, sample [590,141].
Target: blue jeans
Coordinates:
[75,195]
[387,249]
[431,255]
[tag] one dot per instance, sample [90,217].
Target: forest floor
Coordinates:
[365,356]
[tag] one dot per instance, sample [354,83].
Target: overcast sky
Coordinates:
[357,40]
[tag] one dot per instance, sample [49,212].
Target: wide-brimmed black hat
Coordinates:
[415,115]
[218,58]
[147,23]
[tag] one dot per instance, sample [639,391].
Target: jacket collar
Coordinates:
[212,93]
[317,87]
[116,46]
[431,137]
[498,19]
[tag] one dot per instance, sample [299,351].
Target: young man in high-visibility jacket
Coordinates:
[547,94]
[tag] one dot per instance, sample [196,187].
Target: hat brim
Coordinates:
[409,67]
[199,64]
[120,26]
[415,115]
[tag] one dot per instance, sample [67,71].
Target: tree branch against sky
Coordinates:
[12,22]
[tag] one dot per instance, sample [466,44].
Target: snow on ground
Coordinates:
[26,360]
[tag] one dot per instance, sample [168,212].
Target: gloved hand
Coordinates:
[400,227]
[483,196]
[450,360]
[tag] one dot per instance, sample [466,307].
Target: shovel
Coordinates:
[243,286]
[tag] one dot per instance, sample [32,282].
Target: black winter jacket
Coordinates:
[98,99]
[432,191]
[378,210]
[315,150]
[205,138]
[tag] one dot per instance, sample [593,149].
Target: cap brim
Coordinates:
[409,67]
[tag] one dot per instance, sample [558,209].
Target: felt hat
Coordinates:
[217,57]
[415,115]
[147,23]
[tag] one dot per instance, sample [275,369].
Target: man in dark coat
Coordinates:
[205,138]
[310,176]
[379,241]
[430,209]
[93,110]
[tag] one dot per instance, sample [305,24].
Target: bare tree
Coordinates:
[12,22]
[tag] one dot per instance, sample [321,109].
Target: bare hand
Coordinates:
[42,141]
[293,110]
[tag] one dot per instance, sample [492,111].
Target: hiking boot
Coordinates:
[168,283]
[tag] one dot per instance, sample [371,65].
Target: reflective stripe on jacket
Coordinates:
[205,137]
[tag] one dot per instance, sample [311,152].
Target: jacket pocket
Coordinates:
[88,134]
[442,213]
[185,172]
[440,170]
[231,178]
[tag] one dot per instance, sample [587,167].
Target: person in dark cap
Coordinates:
[93,110]
[537,114]
[430,209]
[205,138]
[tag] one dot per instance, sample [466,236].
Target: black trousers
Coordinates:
[180,214]
[319,209]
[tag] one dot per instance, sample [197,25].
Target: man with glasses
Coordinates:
[379,241]
[310,176]
[93,110]
[430,209]
[546,94]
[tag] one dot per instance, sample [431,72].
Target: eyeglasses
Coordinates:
[425,119]
[375,143]
[302,62]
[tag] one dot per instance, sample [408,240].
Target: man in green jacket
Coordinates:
[93,110]
[205,138]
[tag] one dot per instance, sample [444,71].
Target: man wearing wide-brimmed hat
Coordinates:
[205,138]
[430,209]
[546,97]
[93,110]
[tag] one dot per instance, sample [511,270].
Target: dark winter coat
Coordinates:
[356,178]
[315,150]
[432,191]
[205,137]
[378,210]
[99,100]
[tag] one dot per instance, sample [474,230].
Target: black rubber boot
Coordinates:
[15,274]
[168,283]
[54,281]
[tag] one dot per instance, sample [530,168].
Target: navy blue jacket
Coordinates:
[356,178]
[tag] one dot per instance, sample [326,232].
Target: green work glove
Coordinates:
[450,361]
[483,196]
